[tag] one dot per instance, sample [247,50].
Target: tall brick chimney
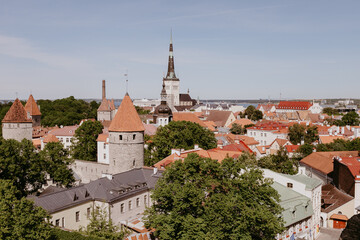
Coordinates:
[103,89]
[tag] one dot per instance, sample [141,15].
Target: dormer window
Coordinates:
[87,194]
[76,197]
[289,185]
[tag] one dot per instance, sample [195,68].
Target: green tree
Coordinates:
[351,118]
[311,134]
[178,134]
[84,143]
[237,129]
[296,133]
[201,198]
[26,168]
[305,150]
[252,113]
[66,111]
[101,226]
[19,217]
[56,162]
[330,111]
[279,162]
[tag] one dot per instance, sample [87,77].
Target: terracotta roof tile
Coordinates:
[31,107]
[353,164]
[187,116]
[295,105]
[105,105]
[329,139]
[102,137]
[323,161]
[242,122]
[64,131]
[126,118]
[292,148]
[50,138]
[16,114]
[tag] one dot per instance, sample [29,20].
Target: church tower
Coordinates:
[126,139]
[171,81]
[162,114]
[16,124]
[33,111]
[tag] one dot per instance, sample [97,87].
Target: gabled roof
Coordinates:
[332,198]
[64,131]
[50,138]
[184,97]
[16,114]
[126,118]
[31,107]
[352,163]
[219,117]
[280,141]
[323,161]
[292,148]
[105,105]
[241,122]
[187,116]
[295,105]
[329,139]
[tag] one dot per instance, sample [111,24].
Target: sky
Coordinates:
[222,49]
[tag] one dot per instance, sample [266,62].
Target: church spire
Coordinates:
[163,94]
[171,68]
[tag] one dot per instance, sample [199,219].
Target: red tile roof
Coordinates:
[241,122]
[126,118]
[329,139]
[294,105]
[16,114]
[105,105]
[64,131]
[31,107]
[353,164]
[50,138]
[323,161]
[188,116]
[292,148]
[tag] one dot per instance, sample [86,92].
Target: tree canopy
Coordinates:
[252,113]
[66,111]
[84,144]
[27,169]
[279,162]
[101,226]
[19,217]
[201,198]
[340,145]
[178,134]
[299,133]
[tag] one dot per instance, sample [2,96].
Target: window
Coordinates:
[264,134]
[261,134]
[57,222]
[88,211]
[130,205]
[134,163]
[77,216]
[104,146]
[145,200]
[67,139]
[120,137]
[104,155]
[134,135]
[63,222]
[137,202]
[122,208]
[293,214]
[289,185]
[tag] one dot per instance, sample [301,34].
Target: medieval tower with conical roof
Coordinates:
[16,124]
[106,110]
[33,111]
[126,139]
[172,83]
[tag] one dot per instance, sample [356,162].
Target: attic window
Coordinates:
[120,137]
[289,185]
[293,214]
[76,197]
[144,184]
[87,194]
[134,135]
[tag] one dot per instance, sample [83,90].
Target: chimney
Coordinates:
[103,90]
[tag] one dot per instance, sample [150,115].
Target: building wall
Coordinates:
[104,116]
[313,173]
[89,171]
[102,152]
[173,92]
[126,151]
[347,209]
[144,201]
[17,131]
[343,178]
[316,108]
[230,120]
[265,137]
[66,141]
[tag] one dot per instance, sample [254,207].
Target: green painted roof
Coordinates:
[292,201]
[310,183]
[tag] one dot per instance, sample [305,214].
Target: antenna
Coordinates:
[127,80]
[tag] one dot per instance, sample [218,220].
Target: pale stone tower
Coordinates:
[33,111]
[126,139]
[106,110]
[16,125]
[171,81]
[162,114]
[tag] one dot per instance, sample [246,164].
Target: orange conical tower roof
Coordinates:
[126,118]
[104,106]
[31,107]
[16,114]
